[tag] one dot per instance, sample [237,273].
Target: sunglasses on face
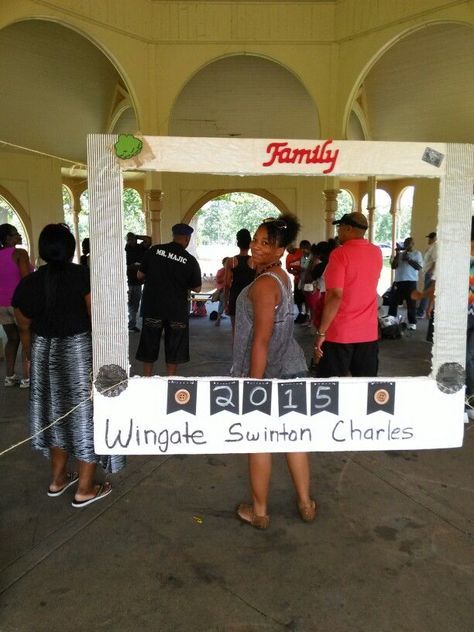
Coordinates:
[279,223]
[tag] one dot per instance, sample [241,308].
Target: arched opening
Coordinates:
[217,222]
[70,99]
[382,233]
[345,203]
[68,207]
[9,215]
[244,96]
[395,87]
[405,209]
[133,215]
[383,220]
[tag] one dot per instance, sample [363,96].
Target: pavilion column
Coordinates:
[372,187]
[330,197]
[394,214]
[153,207]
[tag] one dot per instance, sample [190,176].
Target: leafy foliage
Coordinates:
[345,204]
[404,213]
[383,218]
[8,215]
[219,220]
[133,216]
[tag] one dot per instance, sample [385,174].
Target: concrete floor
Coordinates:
[391,551]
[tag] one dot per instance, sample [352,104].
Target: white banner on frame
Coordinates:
[429,411]
[255,156]
[222,415]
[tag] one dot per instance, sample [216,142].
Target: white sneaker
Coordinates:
[25,383]
[470,414]
[411,326]
[12,380]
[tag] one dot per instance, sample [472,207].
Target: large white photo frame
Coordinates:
[132,417]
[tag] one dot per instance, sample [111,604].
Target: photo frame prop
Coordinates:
[427,411]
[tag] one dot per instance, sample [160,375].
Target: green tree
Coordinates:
[219,220]
[404,213]
[345,204]
[67,208]
[133,216]
[8,215]
[383,218]
[383,229]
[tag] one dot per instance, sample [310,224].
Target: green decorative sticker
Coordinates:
[127,146]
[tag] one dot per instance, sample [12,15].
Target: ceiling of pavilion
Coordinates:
[423,87]
[57,87]
[245,96]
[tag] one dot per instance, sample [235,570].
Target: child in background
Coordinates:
[220,285]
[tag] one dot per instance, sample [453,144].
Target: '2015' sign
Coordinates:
[242,415]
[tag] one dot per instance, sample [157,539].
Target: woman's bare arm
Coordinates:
[23,261]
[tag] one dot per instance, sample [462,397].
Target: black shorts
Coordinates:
[359,359]
[298,296]
[176,341]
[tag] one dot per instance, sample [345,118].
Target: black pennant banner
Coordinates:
[324,397]
[182,395]
[381,396]
[257,396]
[291,398]
[224,396]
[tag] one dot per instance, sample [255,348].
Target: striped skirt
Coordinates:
[61,371]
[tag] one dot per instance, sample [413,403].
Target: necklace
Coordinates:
[275,264]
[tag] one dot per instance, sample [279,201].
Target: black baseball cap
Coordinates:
[357,220]
[182,229]
[431,236]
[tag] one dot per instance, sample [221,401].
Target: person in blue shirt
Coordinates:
[407,263]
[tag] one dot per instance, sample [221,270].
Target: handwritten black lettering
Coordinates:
[163,439]
[349,431]
[341,421]
[234,432]
[118,438]
[268,435]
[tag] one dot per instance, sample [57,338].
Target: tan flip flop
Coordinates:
[308,512]
[246,514]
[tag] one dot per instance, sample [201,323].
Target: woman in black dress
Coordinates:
[240,272]
[52,308]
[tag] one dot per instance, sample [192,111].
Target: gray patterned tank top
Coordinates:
[285,356]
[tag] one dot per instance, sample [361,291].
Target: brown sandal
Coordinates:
[247,514]
[308,512]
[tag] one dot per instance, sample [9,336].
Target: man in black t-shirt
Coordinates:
[134,252]
[169,272]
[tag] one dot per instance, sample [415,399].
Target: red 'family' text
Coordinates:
[281,153]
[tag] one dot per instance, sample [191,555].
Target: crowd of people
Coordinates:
[332,283]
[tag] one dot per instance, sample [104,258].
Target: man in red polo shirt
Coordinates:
[346,342]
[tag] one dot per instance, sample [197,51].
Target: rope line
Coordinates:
[467,402]
[76,163]
[53,423]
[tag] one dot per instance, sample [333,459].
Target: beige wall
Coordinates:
[300,195]
[158,46]
[36,183]
[425,211]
